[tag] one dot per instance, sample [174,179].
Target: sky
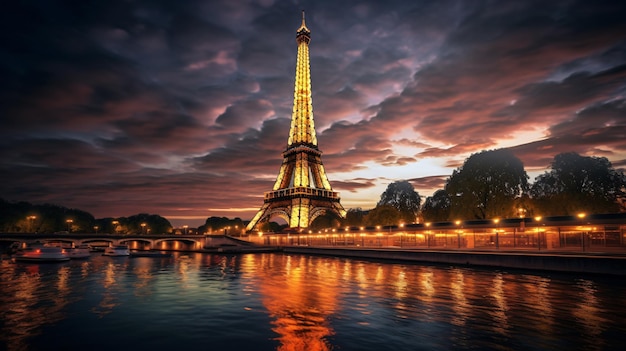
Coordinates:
[182,108]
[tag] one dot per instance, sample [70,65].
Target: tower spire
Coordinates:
[302,125]
[301,192]
[303,26]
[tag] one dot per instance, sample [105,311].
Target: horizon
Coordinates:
[183,110]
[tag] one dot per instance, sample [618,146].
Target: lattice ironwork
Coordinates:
[302,191]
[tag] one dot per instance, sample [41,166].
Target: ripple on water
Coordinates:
[298,302]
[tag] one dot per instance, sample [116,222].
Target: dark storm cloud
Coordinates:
[497,61]
[254,152]
[183,109]
[430,182]
[355,184]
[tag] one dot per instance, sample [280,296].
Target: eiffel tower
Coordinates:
[302,191]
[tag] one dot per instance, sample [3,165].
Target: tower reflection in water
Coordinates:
[314,303]
[306,297]
[299,306]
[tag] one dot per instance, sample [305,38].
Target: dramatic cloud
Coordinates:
[183,109]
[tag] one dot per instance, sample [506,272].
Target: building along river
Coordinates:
[277,301]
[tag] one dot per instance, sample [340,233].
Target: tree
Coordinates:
[487,185]
[144,223]
[324,221]
[383,215]
[402,197]
[578,184]
[354,217]
[437,207]
[218,224]
[46,218]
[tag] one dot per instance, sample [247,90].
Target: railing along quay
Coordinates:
[591,234]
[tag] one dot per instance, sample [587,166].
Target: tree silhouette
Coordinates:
[578,184]
[404,198]
[437,207]
[487,185]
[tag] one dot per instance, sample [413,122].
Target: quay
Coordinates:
[573,262]
[595,244]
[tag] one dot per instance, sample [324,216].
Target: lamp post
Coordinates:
[497,221]
[185,229]
[458,234]
[581,216]
[31,219]
[143,227]
[69,225]
[427,235]
[538,219]
[115,223]
[95,227]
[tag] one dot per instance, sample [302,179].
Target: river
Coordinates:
[274,301]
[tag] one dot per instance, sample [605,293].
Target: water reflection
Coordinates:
[26,303]
[499,313]
[310,303]
[299,305]
[588,312]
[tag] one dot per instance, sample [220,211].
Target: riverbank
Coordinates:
[596,263]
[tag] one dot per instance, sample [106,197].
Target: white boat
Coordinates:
[37,253]
[80,251]
[117,250]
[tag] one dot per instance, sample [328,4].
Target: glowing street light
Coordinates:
[522,214]
[185,228]
[458,234]
[538,219]
[581,216]
[143,227]
[95,227]
[115,224]
[497,221]
[31,219]
[69,225]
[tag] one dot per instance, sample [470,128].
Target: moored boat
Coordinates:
[36,253]
[117,250]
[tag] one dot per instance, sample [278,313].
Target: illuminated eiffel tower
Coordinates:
[302,191]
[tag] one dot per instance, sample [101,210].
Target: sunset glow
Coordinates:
[184,110]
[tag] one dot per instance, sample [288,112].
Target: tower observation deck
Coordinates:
[302,191]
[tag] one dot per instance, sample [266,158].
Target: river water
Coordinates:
[297,302]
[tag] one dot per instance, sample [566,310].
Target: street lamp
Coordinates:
[115,223]
[185,228]
[95,227]
[143,227]
[496,221]
[69,225]
[581,216]
[458,234]
[31,219]
[537,219]
[522,214]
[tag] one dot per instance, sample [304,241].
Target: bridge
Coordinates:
[137,242]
